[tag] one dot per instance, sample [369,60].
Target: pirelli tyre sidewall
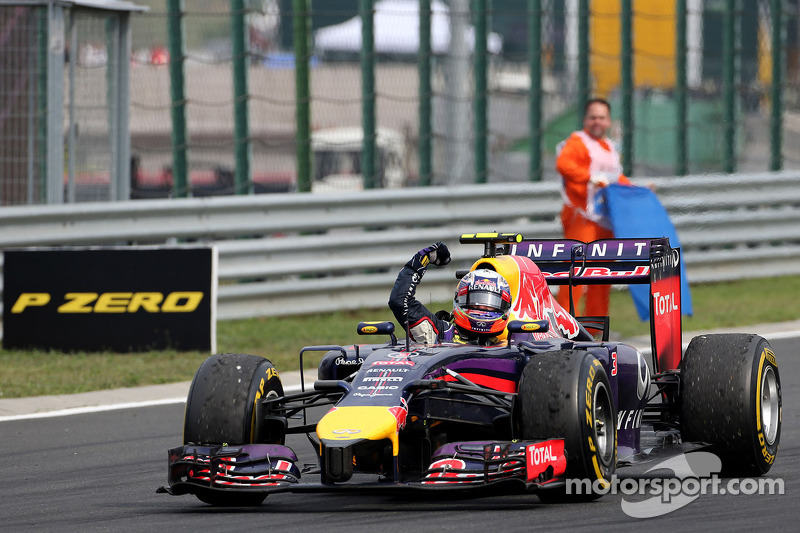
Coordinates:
[731,399]
[221,405]
[567,394]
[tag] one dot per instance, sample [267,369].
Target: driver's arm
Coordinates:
[423,325]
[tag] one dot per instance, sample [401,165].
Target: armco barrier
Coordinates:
[296,253]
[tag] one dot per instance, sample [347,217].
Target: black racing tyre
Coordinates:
[731,399]
[221,401]
[567,394]
[220,409]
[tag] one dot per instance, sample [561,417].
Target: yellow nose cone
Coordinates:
[359,422]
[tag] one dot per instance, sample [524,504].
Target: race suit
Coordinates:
[423,326]
[582,158]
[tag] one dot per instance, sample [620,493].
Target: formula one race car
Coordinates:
[550,403]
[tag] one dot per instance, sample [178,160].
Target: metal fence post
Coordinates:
[241,126]
[535,92]
[480,15]
[112,71]
[584,87]
[301,18]
[122,138]
[42,33]
[72,122]
[368,92]
[425,140]
[627,87]
[178,97]
[681,131]
[776,92]
[729,75]
[458,99]
[55,107]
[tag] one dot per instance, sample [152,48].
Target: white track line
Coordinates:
[107,407]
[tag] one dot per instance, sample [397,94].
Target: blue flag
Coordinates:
[635,212]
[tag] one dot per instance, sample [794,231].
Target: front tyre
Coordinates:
[731,399]
[220,408]
[567,394]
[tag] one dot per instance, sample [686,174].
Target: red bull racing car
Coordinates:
[551,403]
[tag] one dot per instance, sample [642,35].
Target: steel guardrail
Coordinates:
[299,253]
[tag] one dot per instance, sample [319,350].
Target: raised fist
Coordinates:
[437,254]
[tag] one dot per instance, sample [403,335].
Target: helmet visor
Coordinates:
[477,299]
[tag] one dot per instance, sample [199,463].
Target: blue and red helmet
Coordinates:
[482,302]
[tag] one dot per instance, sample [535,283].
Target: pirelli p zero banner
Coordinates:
[118,298]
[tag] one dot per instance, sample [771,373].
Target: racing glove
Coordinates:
[435,254]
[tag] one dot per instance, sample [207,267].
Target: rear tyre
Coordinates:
[731,399]
[567,394]
[220,409]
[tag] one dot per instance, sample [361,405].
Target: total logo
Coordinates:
[543,455]
[393,363]
[664,303]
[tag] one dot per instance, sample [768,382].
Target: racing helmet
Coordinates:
[482,302]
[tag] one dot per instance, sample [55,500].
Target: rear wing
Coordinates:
[619,262]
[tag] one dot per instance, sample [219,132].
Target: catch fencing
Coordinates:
[234,96]
[301,253]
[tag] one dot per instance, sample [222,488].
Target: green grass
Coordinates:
[741,303]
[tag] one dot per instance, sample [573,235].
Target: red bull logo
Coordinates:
[400,412]
[527,304]
[483,284]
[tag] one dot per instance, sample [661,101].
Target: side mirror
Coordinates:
[527,326]
[377,328]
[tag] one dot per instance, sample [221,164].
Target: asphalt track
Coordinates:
[99,471]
